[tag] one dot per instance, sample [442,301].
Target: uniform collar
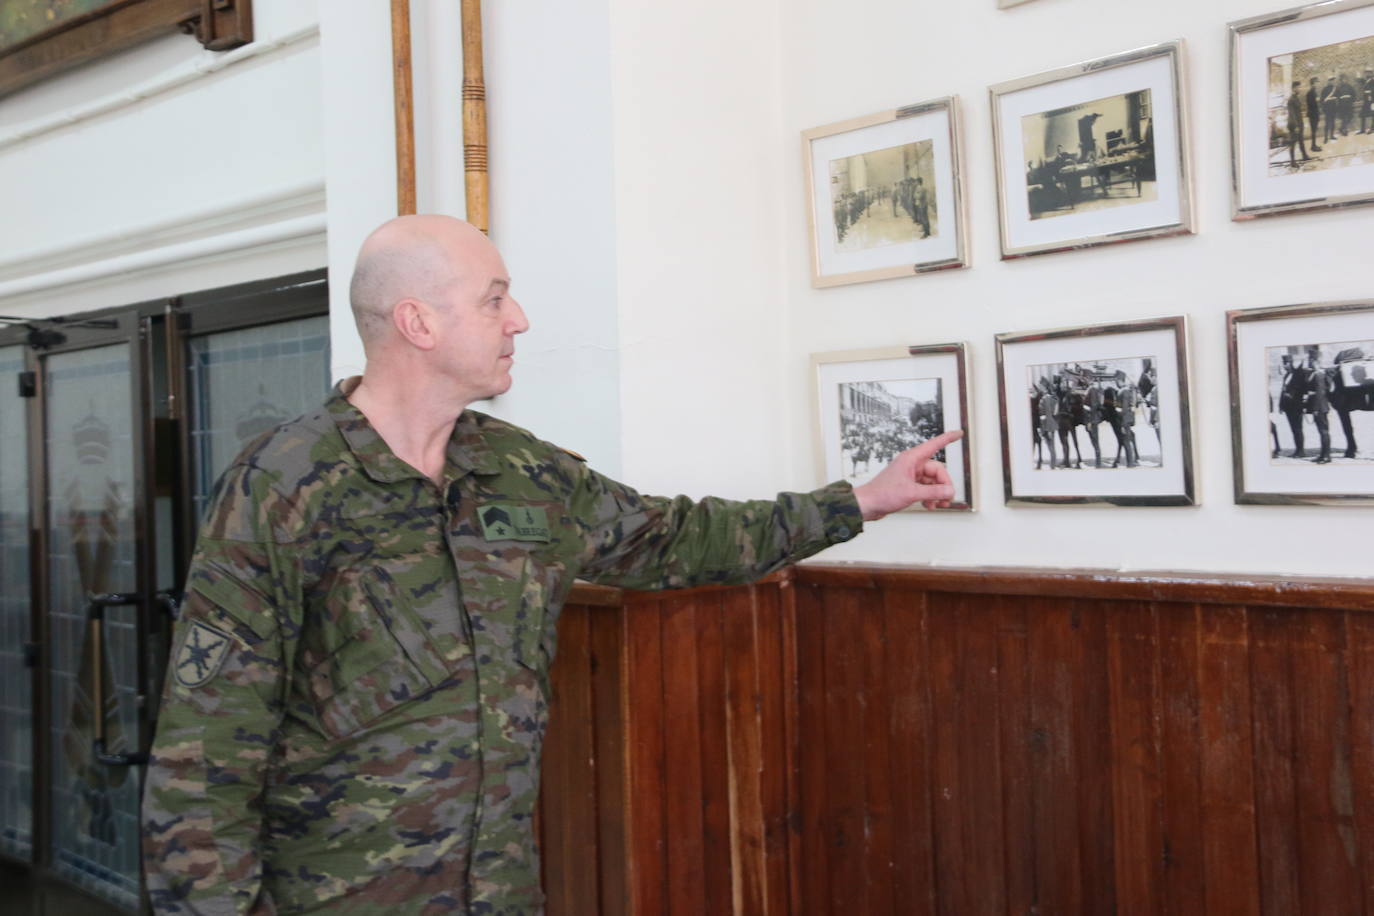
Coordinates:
[467,451]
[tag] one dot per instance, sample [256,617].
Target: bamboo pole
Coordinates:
[403,91]
[475,178]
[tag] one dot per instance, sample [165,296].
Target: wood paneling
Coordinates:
[869,740]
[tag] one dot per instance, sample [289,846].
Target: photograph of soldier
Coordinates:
[1338,100]
[1086,415]
[1321,398]
[1114,164]
[884,197]
[880,419]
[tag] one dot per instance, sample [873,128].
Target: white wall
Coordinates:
[163,170]
[842,60]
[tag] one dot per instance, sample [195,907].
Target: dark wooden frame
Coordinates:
[219,25]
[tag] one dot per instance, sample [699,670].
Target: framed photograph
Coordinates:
[872,404]
[884,194]
[1094,153]
[1302,403]
[1302,109]
[1097,415]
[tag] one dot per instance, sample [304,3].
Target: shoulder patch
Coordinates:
[203,649]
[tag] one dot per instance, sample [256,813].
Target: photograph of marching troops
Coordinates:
[884,197]
[1095,415]
[1321,108]
[1093,156]
[880,419]
[1321,403]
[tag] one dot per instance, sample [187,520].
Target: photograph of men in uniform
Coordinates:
[1340,94]
[357,699]
[884,197]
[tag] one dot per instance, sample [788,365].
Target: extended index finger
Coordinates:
[929,447]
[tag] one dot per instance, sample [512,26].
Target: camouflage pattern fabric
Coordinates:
[368,741]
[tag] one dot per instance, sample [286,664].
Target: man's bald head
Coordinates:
[410,257]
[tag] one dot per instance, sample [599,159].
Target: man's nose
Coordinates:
[518,323]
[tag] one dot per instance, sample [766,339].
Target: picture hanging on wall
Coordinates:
[884,194]
[872,404]
[1302,109]
[1302,403]
[1093,154]
[1097,415]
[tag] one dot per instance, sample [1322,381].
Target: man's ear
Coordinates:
[414,321]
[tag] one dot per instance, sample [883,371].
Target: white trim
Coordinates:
[223,243]
[269,207]
[188,72]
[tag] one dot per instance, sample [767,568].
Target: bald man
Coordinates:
[357,698]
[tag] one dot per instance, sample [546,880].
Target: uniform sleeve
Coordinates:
[653,542]
[222,704]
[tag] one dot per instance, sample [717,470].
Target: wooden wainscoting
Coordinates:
[865,740]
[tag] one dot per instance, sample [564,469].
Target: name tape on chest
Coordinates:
[505,522]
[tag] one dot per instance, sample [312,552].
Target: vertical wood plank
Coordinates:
[1327,853]
[776,705]
[1271,681]
[569,812]
[1054,777]
[907,664]
[1134,696]
[874,717]
[979,750]
[1014,724]
[1227,762]
[1359,628]
[682,770]
[844,758]
[1185,886]
[815,865]
[1092,743]
[644,726]
[746,757]
[947,782]
[794,816]
[713,756]
[607,662]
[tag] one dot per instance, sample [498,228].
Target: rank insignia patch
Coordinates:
[514,523]
[203,650]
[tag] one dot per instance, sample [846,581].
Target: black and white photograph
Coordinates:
[1097,415]
[880,419]
[1302,397]
[1302,96]
[884,195]
[1321,108]
[1091,156]
[874,404]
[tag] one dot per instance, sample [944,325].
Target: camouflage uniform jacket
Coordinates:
[357,694]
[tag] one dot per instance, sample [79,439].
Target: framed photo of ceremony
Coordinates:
[1093,154]
[1302,403]
[884,194]
[1302,109]
[872,404]
[1097,415]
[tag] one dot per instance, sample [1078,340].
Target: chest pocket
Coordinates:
[377,653]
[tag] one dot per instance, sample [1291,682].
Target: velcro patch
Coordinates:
[504,522]
[203,650]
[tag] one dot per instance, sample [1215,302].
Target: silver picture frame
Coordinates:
[1286,447]
[1126,386]
[891,398]
[885,194]
[1137,173]
[1321,42]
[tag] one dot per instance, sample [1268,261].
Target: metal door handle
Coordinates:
[95,615]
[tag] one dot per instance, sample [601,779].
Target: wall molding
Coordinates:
[203,65]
